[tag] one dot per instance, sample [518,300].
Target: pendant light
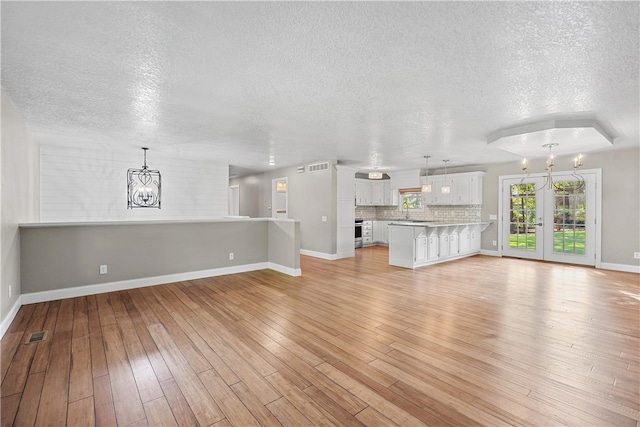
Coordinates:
[446,188]
[143,186]
[426,187]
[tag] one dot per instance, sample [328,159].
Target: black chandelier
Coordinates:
[143,186]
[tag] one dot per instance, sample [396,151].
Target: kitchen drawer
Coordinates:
[366,233]
[367,240]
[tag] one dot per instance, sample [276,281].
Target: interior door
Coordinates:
[279,198]
[523,218]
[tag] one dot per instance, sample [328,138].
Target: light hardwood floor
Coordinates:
[479,341]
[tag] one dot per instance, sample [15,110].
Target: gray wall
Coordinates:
[19,194]
[66,256]
[311,196]
[282,235]
[620,198]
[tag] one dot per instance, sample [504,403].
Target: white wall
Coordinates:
[90,185]
[19,199]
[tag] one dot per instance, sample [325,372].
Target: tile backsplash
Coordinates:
[467,213]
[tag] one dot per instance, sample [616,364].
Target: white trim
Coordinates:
[78,291]
[295,272]
[322,255]
[619,267]
[489,252]
[4,327]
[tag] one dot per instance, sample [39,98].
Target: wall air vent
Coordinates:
[300,169]
[319,167]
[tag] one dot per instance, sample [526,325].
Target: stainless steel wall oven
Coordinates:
[358,237]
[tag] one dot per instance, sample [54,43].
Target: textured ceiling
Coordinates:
[376,84]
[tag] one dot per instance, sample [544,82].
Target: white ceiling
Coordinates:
[376,84]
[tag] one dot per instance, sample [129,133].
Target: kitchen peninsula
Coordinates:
[415,244]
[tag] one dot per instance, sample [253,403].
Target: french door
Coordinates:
[554,222]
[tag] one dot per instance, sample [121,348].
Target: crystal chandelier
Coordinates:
[143,186]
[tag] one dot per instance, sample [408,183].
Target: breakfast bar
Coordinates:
[415,244]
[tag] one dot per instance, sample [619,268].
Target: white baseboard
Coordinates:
[295,272]
[4,326]
[35,297]
[330,257]
[489,253]
[620,267]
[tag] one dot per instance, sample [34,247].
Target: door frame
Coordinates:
[598,207]
[274,197]
[234,200]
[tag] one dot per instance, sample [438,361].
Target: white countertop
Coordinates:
[153,222]
[434,224]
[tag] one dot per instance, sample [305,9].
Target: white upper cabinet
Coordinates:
[373,193]
[465,189]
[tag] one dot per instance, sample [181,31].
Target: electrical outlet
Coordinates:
[103,269]
[636,255]
[231,255]
[493,216]
[495,243]
[324,218]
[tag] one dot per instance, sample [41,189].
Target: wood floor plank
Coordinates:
[314,412]
[235,411]
[287,414]
[9,408]
[10,343]
[81,413]
[126,400]
[372,418]
[98,359]
[19,365]
[479,341]
[30,400]
[105,414]
[159,413]
[179,406]
[254,405]
[191,354]
[55,390]
[391,411]
[141,316]
[204,407]
[43,349]
[243,370]
[146,380]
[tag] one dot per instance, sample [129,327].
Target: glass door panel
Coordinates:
[573,211]
[523,208]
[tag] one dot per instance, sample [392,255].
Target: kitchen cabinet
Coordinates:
[373,193]
[465,189]
[413,245]
[380,232]
[363,192]
[367,232]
